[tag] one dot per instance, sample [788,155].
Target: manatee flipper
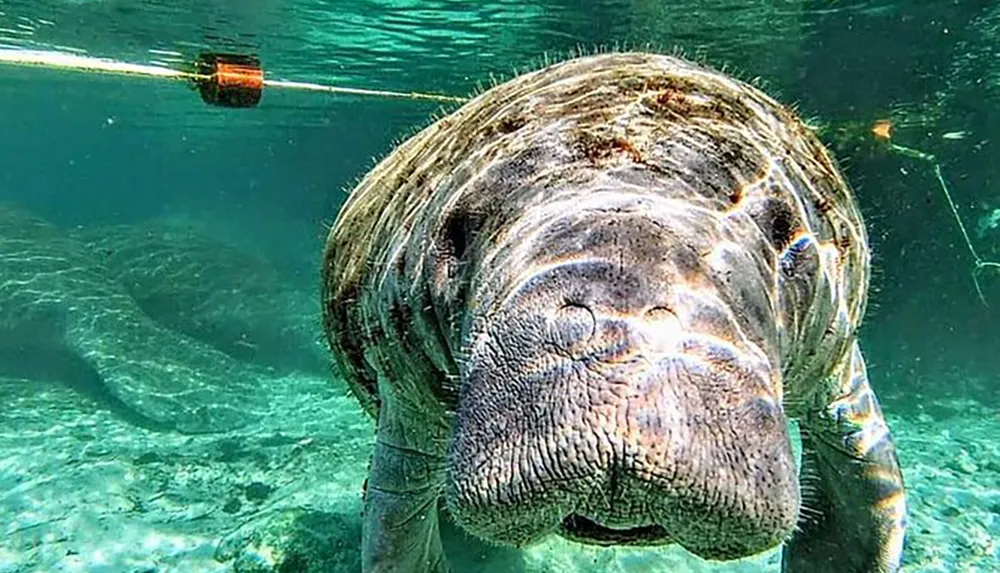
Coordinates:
[856,516]
[401,532]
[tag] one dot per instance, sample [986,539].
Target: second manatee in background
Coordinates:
[217,293]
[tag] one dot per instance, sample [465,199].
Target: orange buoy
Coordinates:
[882,129]
[229,80]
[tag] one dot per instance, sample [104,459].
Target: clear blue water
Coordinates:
[86,151]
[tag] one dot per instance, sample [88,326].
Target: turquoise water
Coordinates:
[138,177]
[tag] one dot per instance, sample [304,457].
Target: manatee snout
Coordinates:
[614,400]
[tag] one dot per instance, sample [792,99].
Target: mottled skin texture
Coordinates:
[62,315]
[213,292]
[588,302]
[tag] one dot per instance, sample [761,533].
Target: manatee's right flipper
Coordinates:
[401,533]
[855,514]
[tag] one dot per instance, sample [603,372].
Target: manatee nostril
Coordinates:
[662,327]
[660,314]
[572,325]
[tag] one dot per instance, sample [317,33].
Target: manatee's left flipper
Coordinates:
[854,514]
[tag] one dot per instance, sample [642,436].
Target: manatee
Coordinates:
[590,301]
[214,292]
[61,314]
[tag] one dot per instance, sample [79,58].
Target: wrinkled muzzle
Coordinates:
[590,408]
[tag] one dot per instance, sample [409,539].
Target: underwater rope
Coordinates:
[226,80]
[882,130]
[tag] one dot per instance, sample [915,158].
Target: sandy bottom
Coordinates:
[81,490]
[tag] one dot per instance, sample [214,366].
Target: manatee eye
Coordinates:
[776,220]
[455,239]
[456,234]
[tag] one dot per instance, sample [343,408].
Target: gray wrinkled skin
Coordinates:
[588,302]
